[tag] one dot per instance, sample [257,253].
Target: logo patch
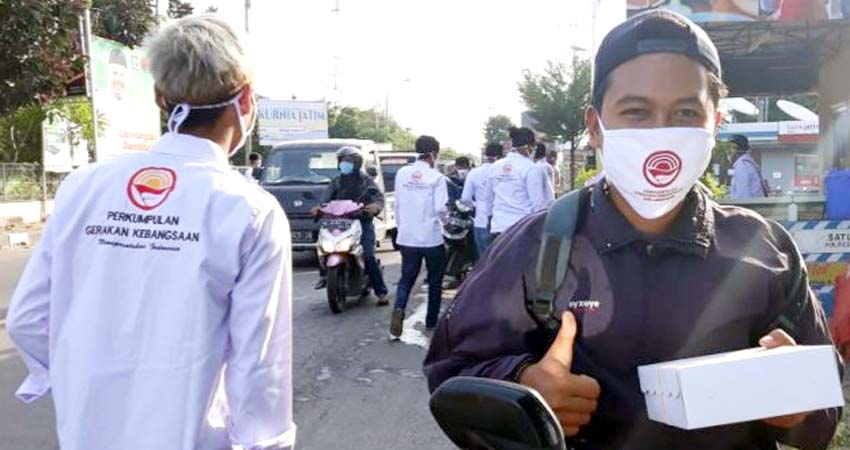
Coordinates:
[662,168]
[417,176]
[150,187]
[507,169]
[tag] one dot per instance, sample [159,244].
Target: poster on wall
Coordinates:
[707,11]
[124,99]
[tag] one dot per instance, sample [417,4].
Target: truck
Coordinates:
[298,175]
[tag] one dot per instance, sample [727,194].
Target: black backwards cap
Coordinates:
[654,31]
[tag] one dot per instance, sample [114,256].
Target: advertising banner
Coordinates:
[707,11]
[124,99]
[290,120]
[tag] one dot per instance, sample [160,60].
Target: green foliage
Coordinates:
[38,50]
[718,191]
[496,129]
[585,176]
[20,134]
[125,21]
[178,9]
[558,98]
[348,122]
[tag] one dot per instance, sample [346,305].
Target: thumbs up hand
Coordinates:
[572,397]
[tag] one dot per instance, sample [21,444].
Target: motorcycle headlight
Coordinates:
[327,247]
[344,245]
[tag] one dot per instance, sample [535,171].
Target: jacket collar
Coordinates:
[192,147]
[691,233]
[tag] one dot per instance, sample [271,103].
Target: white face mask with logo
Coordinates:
[181,112]
[655,168]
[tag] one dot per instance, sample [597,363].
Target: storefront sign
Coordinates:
[799,131]
[281,121]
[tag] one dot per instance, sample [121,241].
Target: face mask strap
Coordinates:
[181,112]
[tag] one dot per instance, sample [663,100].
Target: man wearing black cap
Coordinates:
[517,187]
[747,181]
[658,270]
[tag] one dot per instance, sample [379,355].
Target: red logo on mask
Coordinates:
[662,168]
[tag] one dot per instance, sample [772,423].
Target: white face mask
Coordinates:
[655,168]
[181,112]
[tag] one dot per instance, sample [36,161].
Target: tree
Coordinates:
[348,122]
[557,100]
[178,9]
[496,129]
[38,50]
[125,21]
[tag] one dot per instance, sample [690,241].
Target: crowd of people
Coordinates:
[132,334]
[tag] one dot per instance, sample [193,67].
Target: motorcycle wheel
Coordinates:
[336,289]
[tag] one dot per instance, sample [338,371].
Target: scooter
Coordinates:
[483,414]
[461,252]
[341,252]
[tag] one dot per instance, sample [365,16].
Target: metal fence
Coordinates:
[22,182]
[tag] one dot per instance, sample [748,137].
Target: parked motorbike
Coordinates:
[461,252]
[483,414]
[341,252]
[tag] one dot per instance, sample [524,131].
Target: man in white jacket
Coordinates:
[157,307]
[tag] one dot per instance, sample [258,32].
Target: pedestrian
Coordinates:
[516,187]
[552,159]
[164,274]
[354,184]
[457,177]
[658,270]
[255,167]
[747,181]
[421,198]
[540,158]
[474,191]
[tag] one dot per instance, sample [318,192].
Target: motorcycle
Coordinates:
[341,253]
[461,252]
[483,414]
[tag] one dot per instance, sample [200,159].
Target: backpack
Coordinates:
[550,272]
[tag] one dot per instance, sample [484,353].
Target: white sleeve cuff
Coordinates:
[33,388]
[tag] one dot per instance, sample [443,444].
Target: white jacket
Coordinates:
[516,188]
[155,271]
[474,191]
[421,195]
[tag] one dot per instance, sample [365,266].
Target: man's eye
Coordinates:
[688,114]
[635,112]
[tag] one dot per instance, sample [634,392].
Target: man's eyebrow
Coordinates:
[632,99]
[690,100]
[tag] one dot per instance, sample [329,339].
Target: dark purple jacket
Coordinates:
[716,282]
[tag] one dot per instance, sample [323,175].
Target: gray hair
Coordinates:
[198,60]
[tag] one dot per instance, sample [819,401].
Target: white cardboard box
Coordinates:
[741,386]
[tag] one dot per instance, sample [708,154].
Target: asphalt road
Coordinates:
[354,388]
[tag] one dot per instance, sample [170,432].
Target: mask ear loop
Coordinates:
[181,112]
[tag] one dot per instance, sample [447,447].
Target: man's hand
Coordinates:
[779,338]
[572,397]
[372,209]
[314,211]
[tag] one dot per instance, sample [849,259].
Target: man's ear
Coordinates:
[246,102]
[591,120]
[160,100]
[718,122]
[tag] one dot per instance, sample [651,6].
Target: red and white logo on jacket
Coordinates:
[150,187]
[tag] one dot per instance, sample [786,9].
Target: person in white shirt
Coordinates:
[157,308]
[474,191]
[540,158]
[420,204]
[255,166]
[552,159]
[516,187]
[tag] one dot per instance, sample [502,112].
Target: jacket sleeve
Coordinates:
[468,195]
[487,331]
[332,192]
[797,310]
[29,316]
[488,196]
[441,198]
[755,187]
[258,376]
[374,194]
[539,189]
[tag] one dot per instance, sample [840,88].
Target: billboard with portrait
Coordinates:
[708,11]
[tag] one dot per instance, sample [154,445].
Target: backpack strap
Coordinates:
[553,258]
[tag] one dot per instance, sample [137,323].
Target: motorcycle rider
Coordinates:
[473,194]
[356,185]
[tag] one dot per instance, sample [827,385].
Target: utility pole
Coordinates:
[89,71]
[249,144]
